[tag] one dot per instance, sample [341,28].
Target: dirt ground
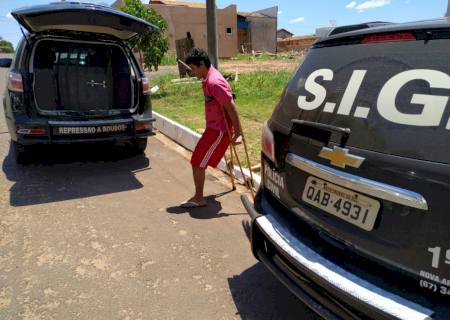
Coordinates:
[251,66]
[239,66]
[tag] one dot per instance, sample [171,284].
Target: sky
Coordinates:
[301,17]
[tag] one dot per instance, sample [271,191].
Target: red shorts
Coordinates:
[210,148]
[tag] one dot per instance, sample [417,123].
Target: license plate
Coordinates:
[345,204]
[104,129]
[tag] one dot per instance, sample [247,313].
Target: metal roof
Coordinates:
[252,14]
[180,3]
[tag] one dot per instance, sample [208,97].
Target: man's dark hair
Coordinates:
[198,55]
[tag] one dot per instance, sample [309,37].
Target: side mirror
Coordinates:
[5,62]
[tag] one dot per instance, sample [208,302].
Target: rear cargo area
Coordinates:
[79,76]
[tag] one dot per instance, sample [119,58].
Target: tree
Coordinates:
[154,44]
[6,46]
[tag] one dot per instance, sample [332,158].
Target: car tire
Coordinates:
[21,153]
[139,145]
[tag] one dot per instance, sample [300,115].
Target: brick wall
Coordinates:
[295,44]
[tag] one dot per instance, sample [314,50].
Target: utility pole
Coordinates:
[448,9]
[211,25]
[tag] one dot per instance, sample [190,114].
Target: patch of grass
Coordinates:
[168,60]
[257,94]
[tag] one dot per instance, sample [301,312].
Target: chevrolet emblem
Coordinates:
[340,157]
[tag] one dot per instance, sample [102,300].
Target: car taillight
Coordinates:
[15,82]
[145,85]
[268,142]
[32,131]
[142,126]
[389,37]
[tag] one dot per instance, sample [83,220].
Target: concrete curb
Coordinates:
[188,139]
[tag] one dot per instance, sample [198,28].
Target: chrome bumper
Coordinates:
[276,230]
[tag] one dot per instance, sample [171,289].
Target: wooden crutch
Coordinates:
[233,149]
[230,166]
[246,154]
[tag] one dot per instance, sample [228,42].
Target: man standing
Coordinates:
[215,140]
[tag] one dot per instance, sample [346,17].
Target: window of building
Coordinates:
[229,31]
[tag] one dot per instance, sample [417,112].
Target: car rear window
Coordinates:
[393,96]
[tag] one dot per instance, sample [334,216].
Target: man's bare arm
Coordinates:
[230,107]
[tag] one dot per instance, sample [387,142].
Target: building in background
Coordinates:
[190,17]
[245,31]
[257,31]
[283,34]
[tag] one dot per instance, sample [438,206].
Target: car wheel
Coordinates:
[21,153]
[139,145]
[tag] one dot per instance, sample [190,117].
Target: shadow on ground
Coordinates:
[211,211]
[258,295]
[60,173]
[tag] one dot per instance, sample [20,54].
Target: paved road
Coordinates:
[89,233]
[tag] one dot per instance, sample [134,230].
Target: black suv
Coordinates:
[74,78]
[352,215]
